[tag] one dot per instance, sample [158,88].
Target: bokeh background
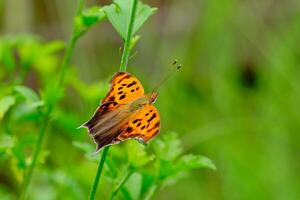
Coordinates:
[236,99]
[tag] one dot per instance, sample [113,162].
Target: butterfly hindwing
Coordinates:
[143,126]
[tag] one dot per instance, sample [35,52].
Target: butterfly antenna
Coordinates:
[178,67]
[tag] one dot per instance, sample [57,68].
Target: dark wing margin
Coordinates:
[98,115]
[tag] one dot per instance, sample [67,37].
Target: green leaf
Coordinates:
[53,47]
[27,111]
[5,104]
[134,184]
[167,148]
[27,93]
[84,146]
[165,169]
[6,54]
[6,141]
[66,121]
[88,18]
[95,90]
[190,161]
[147,181]
[118,14]
[137,155]
[88,149]
[52,94]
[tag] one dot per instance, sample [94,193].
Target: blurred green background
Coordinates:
[236,99]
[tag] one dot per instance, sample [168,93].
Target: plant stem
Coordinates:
[67,57]
[35,155]
[126,51]
[65,64]
[98,174]
[153,191]
[71,44]
[115,192]
[123,67]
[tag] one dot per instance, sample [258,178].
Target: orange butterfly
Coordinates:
[126,112]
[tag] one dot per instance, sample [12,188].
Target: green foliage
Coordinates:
[5,104]
[118,14]
[146,167]
[27,93]
[6,142]
[35,100]
[88,18]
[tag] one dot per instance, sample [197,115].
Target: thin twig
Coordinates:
[126,51]
[123,67]
[115,192]
[98,174]
[44,125]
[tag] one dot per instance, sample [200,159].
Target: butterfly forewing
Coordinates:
[124,89]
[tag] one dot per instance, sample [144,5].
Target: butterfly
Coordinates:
[126,112]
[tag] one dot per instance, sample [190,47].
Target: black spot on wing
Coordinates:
[131,84]
[112,98]
[143,127]
[121,92]
[138,124]
[120,88]
[152,117]
[135,121]
[107,106]
[128,129]
[122,97]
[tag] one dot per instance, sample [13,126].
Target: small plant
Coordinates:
[28,113]
[126,21]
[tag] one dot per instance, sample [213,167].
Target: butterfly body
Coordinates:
[125,113]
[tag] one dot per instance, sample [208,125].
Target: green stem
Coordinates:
[98,174]
[153,191]
[67,57]
[126,51]
[123,66]
[71,44]
[65,64]
[35,155]
[120,186]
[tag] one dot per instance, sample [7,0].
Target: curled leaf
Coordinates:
[5,104]
[27,93]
